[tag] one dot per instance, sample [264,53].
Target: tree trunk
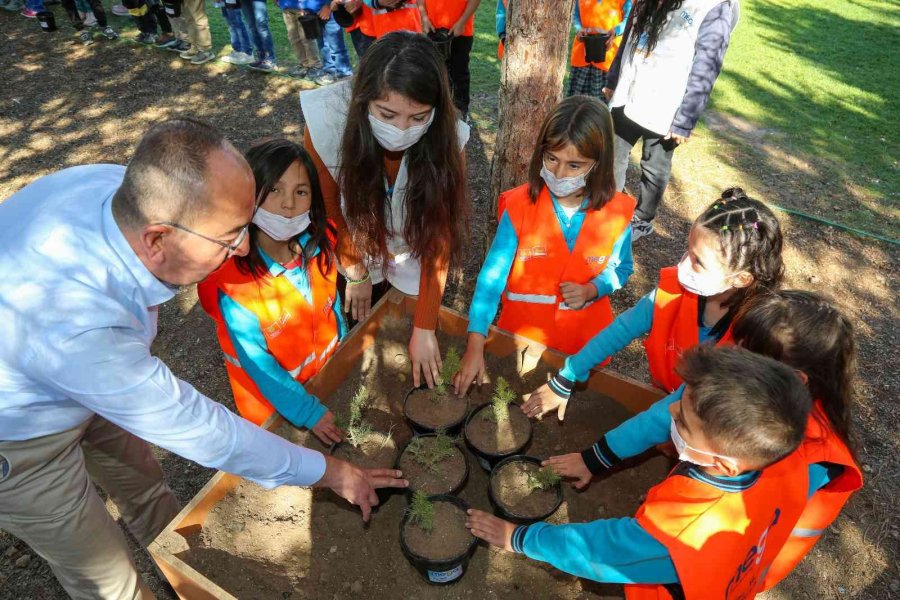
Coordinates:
[531,78]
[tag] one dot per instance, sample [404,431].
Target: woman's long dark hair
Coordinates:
[437,207]
[269,159]
[807,332]
[649,16]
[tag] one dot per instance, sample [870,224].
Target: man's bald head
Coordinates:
[168,177]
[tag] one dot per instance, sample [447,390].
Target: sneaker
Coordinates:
[189,54]
[28,13]
[237,58]
[119,10]
[320,77]
[180,46]
[640,228]
[166,41]
[267,66]
[202,57]
[89,20]
[146,38]
[86,37]
[298,72]
[109,33]
[14,5]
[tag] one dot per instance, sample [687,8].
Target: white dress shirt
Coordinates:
[77,317]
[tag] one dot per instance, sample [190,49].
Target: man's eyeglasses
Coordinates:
[231,248]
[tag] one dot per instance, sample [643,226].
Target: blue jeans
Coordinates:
[240,37]
[258,23]
[335,58]
[35,5]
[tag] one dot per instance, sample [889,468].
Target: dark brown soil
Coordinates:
[434,411]
[375,451]
[498,438]
[449,538]
[509,485]
[447,477]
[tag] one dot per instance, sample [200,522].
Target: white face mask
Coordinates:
[565,186]
[707,284]
[395,139]
[682,447]
[281,228]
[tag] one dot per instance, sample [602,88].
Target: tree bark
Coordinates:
[531,78]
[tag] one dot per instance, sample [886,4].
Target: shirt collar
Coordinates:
[153,291]
[275,267]
[738,483]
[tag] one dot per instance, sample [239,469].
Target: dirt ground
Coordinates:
[62,104]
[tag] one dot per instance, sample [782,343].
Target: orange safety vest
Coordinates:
[533,306]
[598,14]
[722,543]
[819,445]
[444,14]
[363,21]
[405,17]
[674,330]
[301,336]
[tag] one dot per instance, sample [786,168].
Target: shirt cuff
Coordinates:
[312,468]
[561,386]
[518,537]
[599,458]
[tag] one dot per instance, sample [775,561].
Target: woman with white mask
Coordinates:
[389,150]
[563,244]
[276,308]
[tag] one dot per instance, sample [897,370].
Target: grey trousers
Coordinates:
[48,500]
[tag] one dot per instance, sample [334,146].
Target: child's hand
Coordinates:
[576,295]
[471,368]
[458,28]
[493,530]
[570,466]
[425,355]
[358,296]
[325,12]
[542,401]
[608,93]
[327,431]
[427,27]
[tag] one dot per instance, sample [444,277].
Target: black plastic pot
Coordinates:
[439,572]
[595,47]
[384,494]
[172,8]
[343,17]
[312,26]
[410,490]
[489,460]
[442,39]
[505,513]
[47,21]
[452,429]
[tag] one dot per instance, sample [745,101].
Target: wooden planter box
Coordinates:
[190,584]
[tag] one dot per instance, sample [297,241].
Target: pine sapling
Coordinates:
[356,427]
[421,511]
[500,401]
[449,368]
[542,479]
[430,452]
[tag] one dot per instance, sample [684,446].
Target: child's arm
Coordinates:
[501,20]
[286,394]
[619,266]
[626,11]
[608,550]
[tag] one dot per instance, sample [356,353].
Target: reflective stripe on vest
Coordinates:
[297,370]
[806,533]
[531,298]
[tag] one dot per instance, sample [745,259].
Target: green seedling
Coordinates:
[543,479]
[431,452]
[421,511]
[356,427]
[500,401]
[449,368]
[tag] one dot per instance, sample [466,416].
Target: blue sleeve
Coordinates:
[501,18]
[626,11]
[644,430]
[709,54]
[608,550]
[631,324]
[576,18]
[619,267]
[286,394]
[493,276]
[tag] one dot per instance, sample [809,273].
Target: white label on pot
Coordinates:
[484,463]
[445,576]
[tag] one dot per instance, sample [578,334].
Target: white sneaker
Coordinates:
[119,10]
[640,228]
[90,20]
[237,58]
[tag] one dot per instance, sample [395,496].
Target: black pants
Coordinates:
[75,18]
[656,162]
[458,69]
[361,42]
[156,15]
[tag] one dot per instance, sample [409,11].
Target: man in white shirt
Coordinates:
[87,255]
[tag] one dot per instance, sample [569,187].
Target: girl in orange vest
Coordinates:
[563,244]
[734,253]
[718,522]
[596,18]
[809,334]
[277,309]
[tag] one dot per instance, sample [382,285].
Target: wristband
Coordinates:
[366,278]
[561,386]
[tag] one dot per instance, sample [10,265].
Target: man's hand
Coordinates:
[358,485]
[326,430]
[493,530]
[577,295]
[542,401]
[678,139]
[471,369]
[570,466]
[358,301]
[425,354]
